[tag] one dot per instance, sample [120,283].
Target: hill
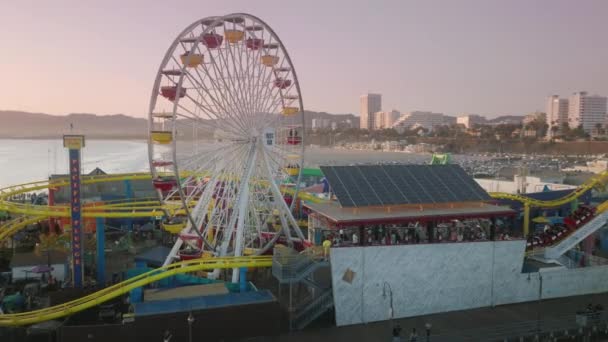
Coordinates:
[16,124]
[37,125]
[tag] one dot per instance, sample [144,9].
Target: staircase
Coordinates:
[291,267]
[554,252]
[306,314]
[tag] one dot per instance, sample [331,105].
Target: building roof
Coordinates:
[33,259]
[393,214]
[154,256]
[373,185]
[95,172]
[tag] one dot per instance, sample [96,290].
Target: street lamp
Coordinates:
[390,293]
[190,321]
[428,327]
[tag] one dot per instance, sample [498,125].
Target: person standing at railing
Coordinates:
[326,247]
[414,335]
[397,333]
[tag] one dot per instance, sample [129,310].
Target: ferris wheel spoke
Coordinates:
[200,87]
[234,83]
[228,98]
[222,100]
[236,126]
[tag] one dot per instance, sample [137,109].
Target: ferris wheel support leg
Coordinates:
[277,194]
[173,253]
[242,204]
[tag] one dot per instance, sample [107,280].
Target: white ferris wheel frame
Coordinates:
[243,193]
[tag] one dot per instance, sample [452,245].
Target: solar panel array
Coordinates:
[376,185]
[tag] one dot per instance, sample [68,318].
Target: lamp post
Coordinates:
[190,321]
[386,286]
[428,327]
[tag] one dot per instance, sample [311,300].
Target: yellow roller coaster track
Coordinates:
[119,209]
[119,289]
[596,181]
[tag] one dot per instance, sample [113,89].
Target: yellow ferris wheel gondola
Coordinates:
[292,168]
[162,137]
[270,60]
[287,111]
[175,224]
[234,36]
[191,60]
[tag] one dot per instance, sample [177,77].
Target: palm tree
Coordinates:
[599,128]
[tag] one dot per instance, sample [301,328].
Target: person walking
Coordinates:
[397,333]
[414,335]
[326,247]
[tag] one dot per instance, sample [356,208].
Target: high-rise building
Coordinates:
[383,120]
[370,104]
[557,113]
[470,120]
[587,110]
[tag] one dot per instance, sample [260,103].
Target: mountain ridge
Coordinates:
[27,125]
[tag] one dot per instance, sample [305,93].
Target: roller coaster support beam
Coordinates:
[526,219]
[101,251]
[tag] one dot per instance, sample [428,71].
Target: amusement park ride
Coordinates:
[229,77]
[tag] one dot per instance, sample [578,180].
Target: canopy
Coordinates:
[41,269]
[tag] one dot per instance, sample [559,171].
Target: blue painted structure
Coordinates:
[75,209]
[243,279]
[202,303]
[129,196]
[101,251]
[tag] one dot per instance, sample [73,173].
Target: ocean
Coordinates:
[23,161]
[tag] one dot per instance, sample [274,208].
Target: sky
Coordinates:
[486,57]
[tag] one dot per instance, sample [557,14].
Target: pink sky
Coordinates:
[476,56]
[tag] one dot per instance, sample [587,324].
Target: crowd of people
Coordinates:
[414,233]
[551,233]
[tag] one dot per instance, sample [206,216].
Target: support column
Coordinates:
[243,279]
[74,143]
[129,196]
[526,219]
[51,203]
[101,252]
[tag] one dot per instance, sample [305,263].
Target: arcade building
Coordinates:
[375,205]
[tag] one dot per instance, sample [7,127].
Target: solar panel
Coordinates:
[376,185]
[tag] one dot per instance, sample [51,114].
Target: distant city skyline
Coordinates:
[470,56]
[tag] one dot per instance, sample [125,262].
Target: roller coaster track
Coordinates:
[11,227]
[124,209]
[119,289]
[594,182]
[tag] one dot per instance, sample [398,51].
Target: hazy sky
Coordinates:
[476,56]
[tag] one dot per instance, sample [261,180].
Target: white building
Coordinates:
[557,113]
[470,120]
[370,104]
[427,120]
[384,120]
[320,123]
[587,110]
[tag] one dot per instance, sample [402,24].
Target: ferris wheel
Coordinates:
[226,129]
